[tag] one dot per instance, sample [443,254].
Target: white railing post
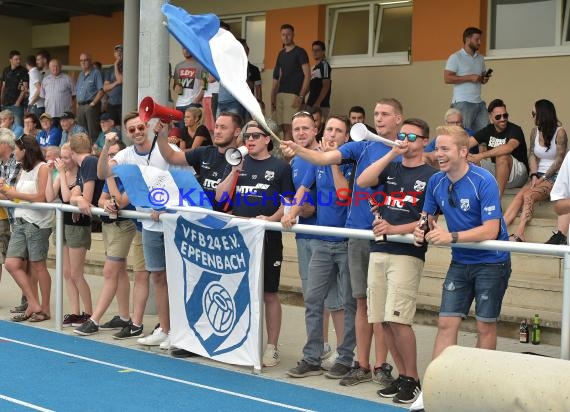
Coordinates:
[58,318]
[565,326]
[260,296]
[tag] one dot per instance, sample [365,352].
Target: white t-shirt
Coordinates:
[561,188]
[36,78]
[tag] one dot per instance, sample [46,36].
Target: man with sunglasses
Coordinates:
[506,154]
[261,183]
[468,197]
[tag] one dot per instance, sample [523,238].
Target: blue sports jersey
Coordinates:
[299,168]
[471,201]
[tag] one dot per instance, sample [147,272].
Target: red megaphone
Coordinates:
[149,109]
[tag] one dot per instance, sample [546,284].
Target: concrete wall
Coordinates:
[14,34]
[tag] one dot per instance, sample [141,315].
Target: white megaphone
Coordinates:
[360,132]
[235,156]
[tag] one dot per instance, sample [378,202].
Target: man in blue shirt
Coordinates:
[468,196]
[89,92]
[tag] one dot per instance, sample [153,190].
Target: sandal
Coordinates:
[20,317]
[39,317]
[516,238]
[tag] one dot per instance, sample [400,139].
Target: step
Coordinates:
[543,209]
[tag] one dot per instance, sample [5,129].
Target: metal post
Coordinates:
[261,306]
[130,55]
[58,269]
[565,326]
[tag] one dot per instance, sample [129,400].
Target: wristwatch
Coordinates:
[454,237]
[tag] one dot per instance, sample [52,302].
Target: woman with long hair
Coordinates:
[548,142]
[195,134]
[29,243]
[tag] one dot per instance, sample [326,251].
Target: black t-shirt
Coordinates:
[409,184]
[321,71]
[259,186]
[211,168]
[491,138]
[12,78]
[253,76]
[200,131]
[86,173]
[288,70]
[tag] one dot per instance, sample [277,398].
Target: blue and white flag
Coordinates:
[218,51]
[154,188]
[213,269]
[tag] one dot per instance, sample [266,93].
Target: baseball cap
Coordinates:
[118,46]
[105,116]
[45,116]
[67,115]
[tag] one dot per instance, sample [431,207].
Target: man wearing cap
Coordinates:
[89,91]
[113,86]
[69,127]
[57,89]
[107,123]
[49,135]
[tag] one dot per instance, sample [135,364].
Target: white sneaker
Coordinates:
[165,345]
[418,404]
[327,351]
[157,337]
[271,356]
[327,364]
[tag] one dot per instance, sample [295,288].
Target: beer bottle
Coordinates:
[378,215]
[424,225]
[114,215]
[523,335]
[535,340]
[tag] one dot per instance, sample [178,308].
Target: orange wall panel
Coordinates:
[96,35]
[438,25]
[309,24]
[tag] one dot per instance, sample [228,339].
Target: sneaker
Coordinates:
[327,351]
[304,369]
[392,390]
[327,364]
[70,319]
[410,390]
[383,375]
[418,405]
[115,324]
[338,371]
[81,319]
[87,328]
[356,375]
[558,238]
[157,337]
[165,344]
[271,356]
[183,353]
[128,332]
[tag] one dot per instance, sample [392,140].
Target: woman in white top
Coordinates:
[548,143]
[29,243]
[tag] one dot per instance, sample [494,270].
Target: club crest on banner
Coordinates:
[216,296]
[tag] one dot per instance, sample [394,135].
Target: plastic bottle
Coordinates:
[523,332]
[535,339]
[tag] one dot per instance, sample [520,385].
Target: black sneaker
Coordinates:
[557,238]
[128,332]
[391,390]
[338,371]
[87,328]
[304,369]
[409,391]
[383,375]
[115,324]
[183,353]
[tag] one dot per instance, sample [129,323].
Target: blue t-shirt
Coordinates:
[51,138]
[364,153]
[329,211]
[475,199]
[299,168]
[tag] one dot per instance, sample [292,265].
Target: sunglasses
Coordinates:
[302,113]
[504,116]
[450,197]
[140,128]
[254,136]
[412,137]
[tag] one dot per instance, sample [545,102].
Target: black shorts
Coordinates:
[273,258]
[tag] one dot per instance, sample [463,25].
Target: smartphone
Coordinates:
[488,72]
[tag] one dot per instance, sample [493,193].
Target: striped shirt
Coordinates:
[57,91]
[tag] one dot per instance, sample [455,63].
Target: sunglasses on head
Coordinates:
[140,128]
[254,135]
[412,137]
[504,116]
[302,113]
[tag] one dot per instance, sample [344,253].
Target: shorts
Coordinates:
[393,283]
[485,283]
[118,237]
[77,236]
[153,248]
[518,176]
[137,253]
[29,242]
[272,260]
[4,239]
[358,259]
[284,109]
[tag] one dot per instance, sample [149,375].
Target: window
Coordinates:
[251,28]
[370,34]
[523,28]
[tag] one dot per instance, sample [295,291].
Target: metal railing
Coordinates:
[532,248]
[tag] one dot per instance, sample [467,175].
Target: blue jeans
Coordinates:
[329,258]
[475,116]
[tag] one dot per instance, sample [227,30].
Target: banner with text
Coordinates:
[213,269]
